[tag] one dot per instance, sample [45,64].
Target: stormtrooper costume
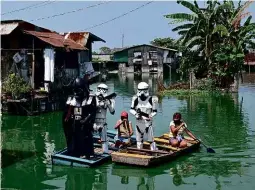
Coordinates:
[100,124]
[147,104]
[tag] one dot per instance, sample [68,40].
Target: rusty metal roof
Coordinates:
[82,37]
[7,28]
[56,40]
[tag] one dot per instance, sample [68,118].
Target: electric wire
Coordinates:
[69,12]
[124,14]
[36,5]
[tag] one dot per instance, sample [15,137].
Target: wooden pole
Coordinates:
[170,75]
[190,83]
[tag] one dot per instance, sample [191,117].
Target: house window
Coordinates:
[138,55]
[153,55]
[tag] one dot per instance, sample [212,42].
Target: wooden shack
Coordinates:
[144,58]
[28,43]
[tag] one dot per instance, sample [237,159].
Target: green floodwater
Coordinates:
[226,123]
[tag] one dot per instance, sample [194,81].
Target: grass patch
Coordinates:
[188,92]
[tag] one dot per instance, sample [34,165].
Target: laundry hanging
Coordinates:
[49,62]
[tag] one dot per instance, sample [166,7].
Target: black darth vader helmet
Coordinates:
[78,87]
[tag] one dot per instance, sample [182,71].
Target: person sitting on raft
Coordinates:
[125,130]
[177,127]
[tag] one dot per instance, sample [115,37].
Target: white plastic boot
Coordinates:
[105,147]
[139,145]
[153,146]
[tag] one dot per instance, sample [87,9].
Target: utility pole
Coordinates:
[122,40]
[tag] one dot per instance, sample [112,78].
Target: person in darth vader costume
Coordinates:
[78,121]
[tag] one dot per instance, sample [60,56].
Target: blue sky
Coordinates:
[138,27]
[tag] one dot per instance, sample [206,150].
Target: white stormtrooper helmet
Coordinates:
[102,89]
[143,91]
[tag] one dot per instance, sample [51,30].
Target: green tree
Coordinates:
[208,32]
[166,42]
[105,50]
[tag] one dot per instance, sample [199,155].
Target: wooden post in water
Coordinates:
[190,82]
[33,67]
[170,75]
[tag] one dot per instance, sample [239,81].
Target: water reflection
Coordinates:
[79,178]
[226,123]
[217,119]
[35,135]
[145,179]
[149,178]
[10,157]
[129,81]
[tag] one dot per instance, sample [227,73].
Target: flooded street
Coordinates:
[225,123]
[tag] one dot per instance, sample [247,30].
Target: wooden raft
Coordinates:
[146,157]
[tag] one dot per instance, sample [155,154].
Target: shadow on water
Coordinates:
[78,178]
[10,157]
[217,119]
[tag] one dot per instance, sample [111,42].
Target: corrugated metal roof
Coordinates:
[56,40]
[79,37]
[146,45]
[82,37]
[7,28]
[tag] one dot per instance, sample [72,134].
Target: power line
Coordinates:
[118,16]
[69,12]
[31,6]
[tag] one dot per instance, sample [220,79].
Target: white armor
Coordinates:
[100,119]
[147,104]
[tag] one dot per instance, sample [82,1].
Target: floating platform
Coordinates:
[145,157]
[61,157]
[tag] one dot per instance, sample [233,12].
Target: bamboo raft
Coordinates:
[146,157]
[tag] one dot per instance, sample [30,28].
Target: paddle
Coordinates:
[209,150]
[126,124]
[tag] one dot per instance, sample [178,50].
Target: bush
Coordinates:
[15,85]
[205,84]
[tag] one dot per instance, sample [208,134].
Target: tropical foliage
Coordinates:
[166,42]
[214,38]
[105,50]
[15,85]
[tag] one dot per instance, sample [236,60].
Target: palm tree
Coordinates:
[199,32]
[207,29]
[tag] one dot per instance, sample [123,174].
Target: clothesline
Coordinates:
[21,49]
